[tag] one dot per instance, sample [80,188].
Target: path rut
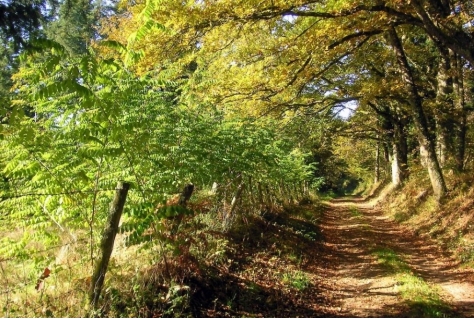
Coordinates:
[361,287]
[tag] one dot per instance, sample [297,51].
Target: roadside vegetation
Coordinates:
[171,158]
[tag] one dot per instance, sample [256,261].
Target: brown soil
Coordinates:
[366,289]
[346,280]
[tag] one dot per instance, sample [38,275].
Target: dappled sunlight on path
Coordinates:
[353,230]
[362,287]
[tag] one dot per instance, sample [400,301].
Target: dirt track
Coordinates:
[359,286]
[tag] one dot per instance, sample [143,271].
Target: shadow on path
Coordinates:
[352,230]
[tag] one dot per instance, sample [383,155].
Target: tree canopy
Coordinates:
[257,102]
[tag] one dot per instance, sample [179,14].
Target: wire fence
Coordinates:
[65,287]
[52,287]
[37,289]
[46,280]
[11,196]
[28,283]
[37,280]
[39,252]
[4,196]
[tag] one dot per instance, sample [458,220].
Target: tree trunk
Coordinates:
[444,103]
[399,155]
[424,139]
[386,153]
[186,194]
[377,162]
[460,109]
[236,199]
[183,200]
[396,174]
[450,37]
[402,150]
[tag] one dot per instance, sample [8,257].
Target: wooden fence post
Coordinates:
[183,200]
[260,196]
[107,242]
[233,205]
[214,188]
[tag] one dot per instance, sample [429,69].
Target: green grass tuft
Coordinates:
[422,298]
[296,279]
[355,212]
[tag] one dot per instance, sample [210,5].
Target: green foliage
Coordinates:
[391,260]
[296,279]
[95,123]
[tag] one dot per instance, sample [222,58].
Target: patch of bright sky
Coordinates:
[346,110]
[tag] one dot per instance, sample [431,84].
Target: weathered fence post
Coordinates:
[250,191]
[215,185]
[260,196]
[183,200]
[186,194]
[107,242]
[233,205]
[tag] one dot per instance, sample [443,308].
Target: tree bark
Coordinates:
[396,174]
[460,110]
[214,188]
[402,145]
[398,158]
[444,106]
[424,138]
[377,162]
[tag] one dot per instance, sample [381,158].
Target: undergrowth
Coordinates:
[449,222]
[256,267]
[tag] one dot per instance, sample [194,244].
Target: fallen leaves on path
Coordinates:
[289,265]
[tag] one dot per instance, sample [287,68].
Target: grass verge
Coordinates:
[422,298]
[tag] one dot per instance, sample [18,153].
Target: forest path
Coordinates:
[356,235]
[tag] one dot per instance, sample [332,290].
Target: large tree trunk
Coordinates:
[399,155]
[377,162]
[424,138]
[444,108]
[396,173]
[402,149]
[460,110]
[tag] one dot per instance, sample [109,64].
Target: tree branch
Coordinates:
[344,13]
[367,34]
